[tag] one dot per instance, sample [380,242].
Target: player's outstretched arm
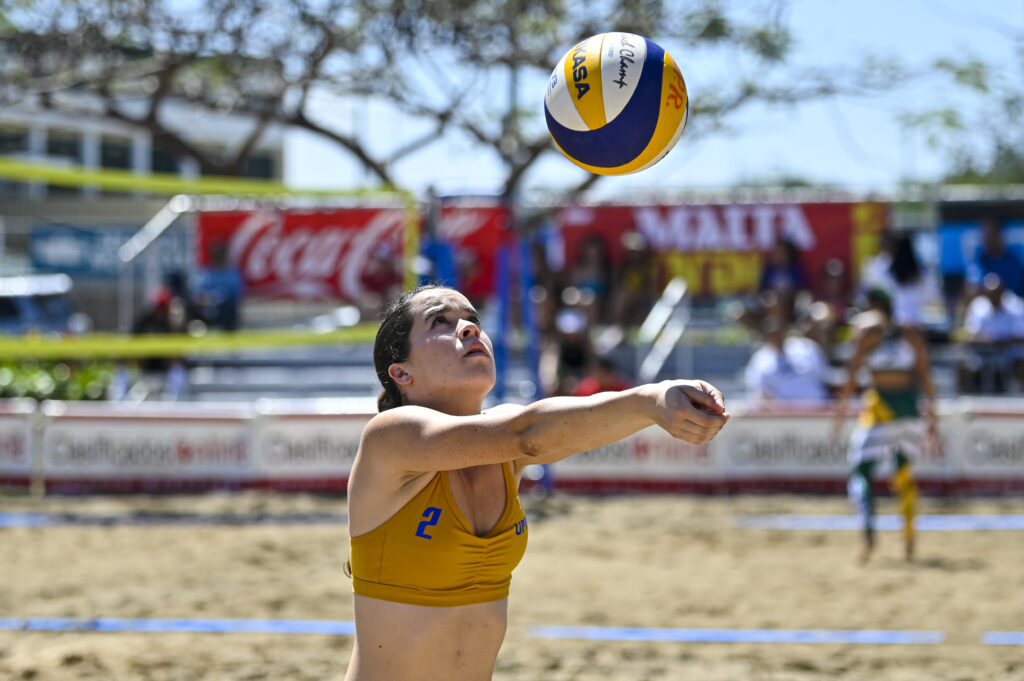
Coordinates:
[416,438]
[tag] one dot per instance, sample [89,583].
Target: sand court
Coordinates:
[249,586]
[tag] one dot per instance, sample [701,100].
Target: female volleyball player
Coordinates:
[890,430]
[434,515]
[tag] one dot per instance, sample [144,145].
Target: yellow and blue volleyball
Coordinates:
[616,103]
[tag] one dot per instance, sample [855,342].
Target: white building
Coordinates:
[32,214]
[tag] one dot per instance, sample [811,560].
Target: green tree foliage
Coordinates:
[982,144]
[447,63]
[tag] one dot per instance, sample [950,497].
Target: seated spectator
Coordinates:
[604,376]
[218,291]
[783,272]
[995,256]
[590,275]
[829,310]
[994,324]
[914,290]
[168,314]
[779,307]
[636,286]
[566,356]
[787,368]
[874,272]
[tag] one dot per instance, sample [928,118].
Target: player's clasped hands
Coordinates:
[693,411]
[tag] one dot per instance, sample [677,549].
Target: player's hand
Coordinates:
[693,411]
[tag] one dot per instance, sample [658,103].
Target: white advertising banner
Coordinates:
[794,444]
[308,446]
[15,444]
[762,445]
[650,454]
[311,445]
[115,447]
[991,443]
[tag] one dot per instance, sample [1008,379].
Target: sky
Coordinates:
[850,142]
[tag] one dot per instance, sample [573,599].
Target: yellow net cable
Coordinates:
[226,188]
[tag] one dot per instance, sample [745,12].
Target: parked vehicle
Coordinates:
[39,303]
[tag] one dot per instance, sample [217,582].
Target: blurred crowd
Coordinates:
[587,312]
[974,324]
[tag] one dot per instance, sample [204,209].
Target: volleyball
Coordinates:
[616,103]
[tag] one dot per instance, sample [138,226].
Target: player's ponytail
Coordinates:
[392,345]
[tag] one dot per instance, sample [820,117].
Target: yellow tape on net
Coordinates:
[116,180]
[112,346]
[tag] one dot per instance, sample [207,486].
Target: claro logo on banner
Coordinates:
[750,449]
[651,451]
[779,444]
[994,444]
[116,449]
[310,446]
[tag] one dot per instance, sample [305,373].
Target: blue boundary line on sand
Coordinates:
[184,625]
[925,523]
[1003,638]
[855,636]
[153,518]
[347,628]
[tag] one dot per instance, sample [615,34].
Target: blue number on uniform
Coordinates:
[432,514]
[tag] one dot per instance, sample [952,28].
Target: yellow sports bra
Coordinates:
[427,553]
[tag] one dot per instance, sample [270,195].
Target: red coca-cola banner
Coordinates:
[476,233]
[721,249]
[345,254]
[313,255]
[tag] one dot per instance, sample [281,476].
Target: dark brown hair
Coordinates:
[392,344]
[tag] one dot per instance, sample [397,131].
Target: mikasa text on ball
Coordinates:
[616,103]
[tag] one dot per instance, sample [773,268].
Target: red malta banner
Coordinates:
[326,255]
[721,249]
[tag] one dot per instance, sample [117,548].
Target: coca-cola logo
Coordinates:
[308,256]
[458,224]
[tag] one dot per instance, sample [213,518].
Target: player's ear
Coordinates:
[400,374]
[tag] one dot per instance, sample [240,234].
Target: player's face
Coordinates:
[448,351]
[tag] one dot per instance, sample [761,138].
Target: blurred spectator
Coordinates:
[783,271]
[914,290]
[829,310]
[775,306]
[567,355]
[604,376]
[176,283]
[168,314]
[874,272]
[590,275]
[218,291]
[636,286]
[994,324]
[994,256]
[786,368]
